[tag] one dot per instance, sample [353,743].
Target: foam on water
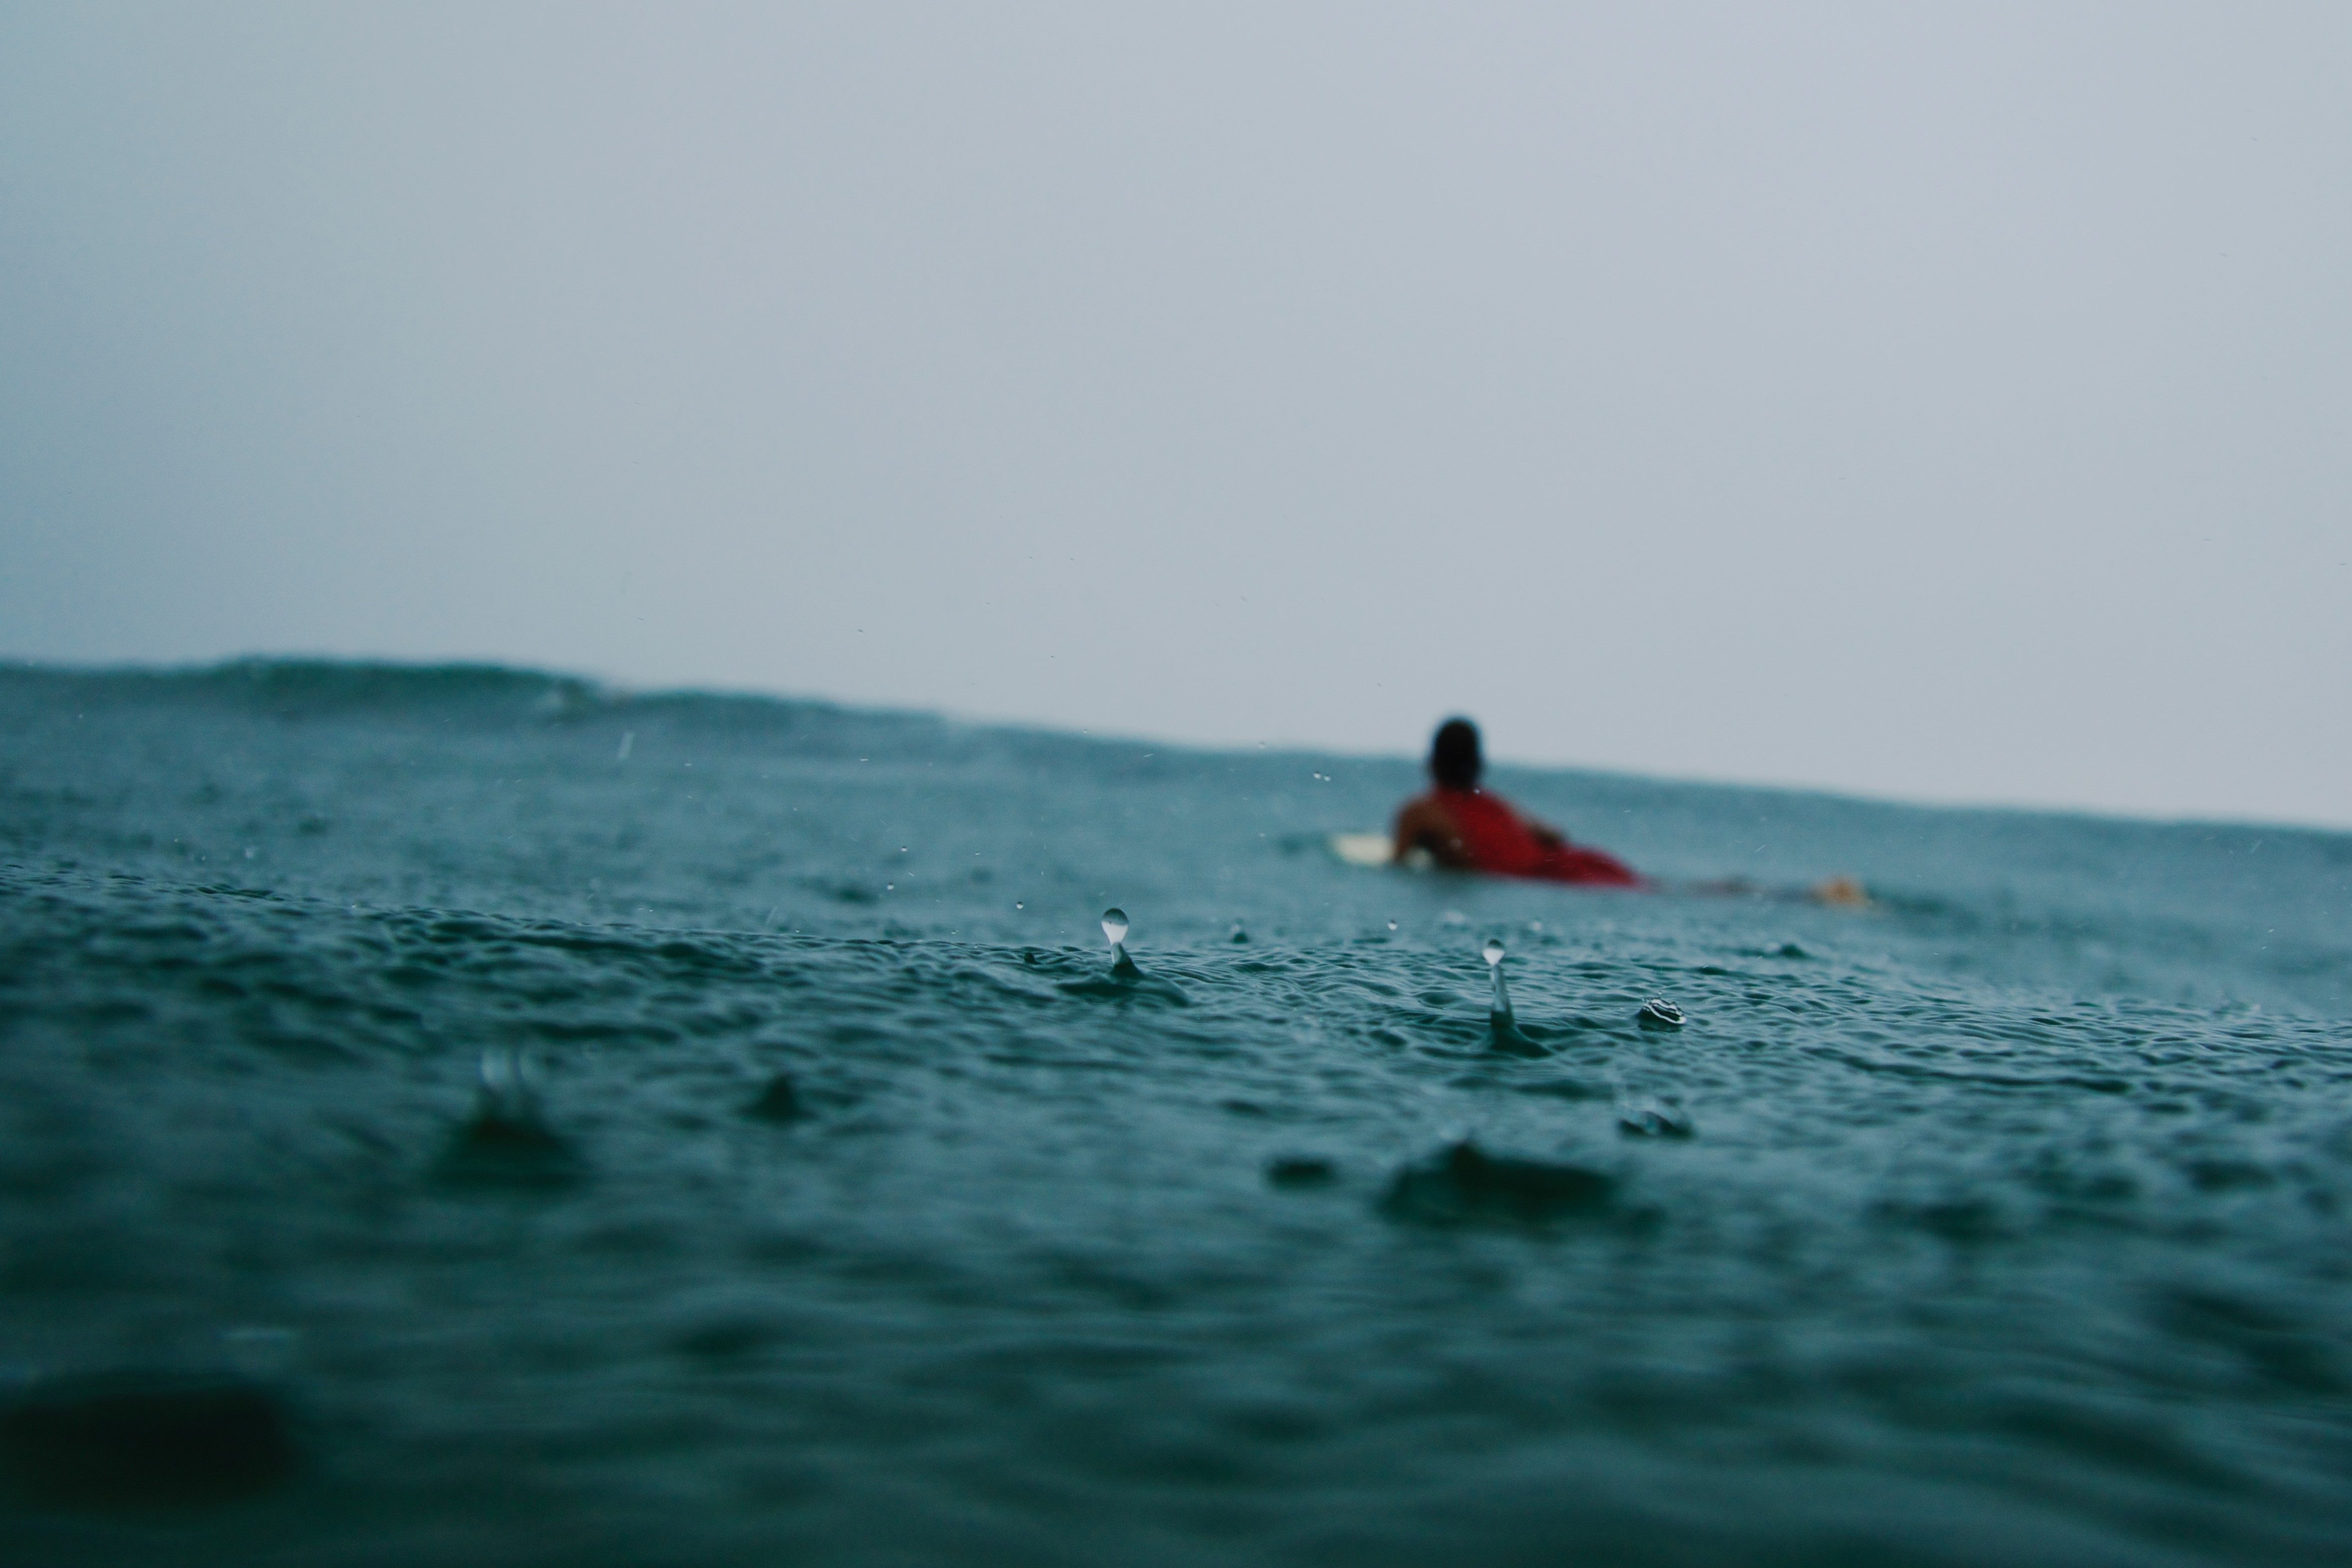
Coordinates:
[540,1148]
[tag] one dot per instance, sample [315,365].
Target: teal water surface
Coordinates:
[465,1116]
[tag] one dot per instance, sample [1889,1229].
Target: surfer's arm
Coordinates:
[1423,824]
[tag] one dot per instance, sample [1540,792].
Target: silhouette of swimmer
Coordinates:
[1466,828]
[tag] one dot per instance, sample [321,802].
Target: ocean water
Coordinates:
[463,1116]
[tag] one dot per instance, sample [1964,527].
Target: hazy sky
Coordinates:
[1952,405]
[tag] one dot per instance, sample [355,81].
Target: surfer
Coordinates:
[1465,828]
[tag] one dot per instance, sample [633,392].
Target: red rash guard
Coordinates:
[1496,840]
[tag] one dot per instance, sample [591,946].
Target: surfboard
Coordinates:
[1373,849]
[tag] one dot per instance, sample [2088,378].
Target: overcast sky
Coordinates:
[1955,406]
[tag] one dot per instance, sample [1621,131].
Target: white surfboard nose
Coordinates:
[1366,849]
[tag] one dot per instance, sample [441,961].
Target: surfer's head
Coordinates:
[1454,759]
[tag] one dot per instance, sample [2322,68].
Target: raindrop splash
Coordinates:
[1113,924]
[503,1087]
[507,1140]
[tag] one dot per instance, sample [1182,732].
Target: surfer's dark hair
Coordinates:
[1454,759]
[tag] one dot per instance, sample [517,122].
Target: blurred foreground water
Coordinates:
[460,1116]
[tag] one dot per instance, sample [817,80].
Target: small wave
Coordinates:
[300,688]
[1464,1182]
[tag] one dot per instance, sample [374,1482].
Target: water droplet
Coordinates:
[1018,905]
[500,1073]
[889,887]
[1392,925]
[1500,1008]
[1114,926]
